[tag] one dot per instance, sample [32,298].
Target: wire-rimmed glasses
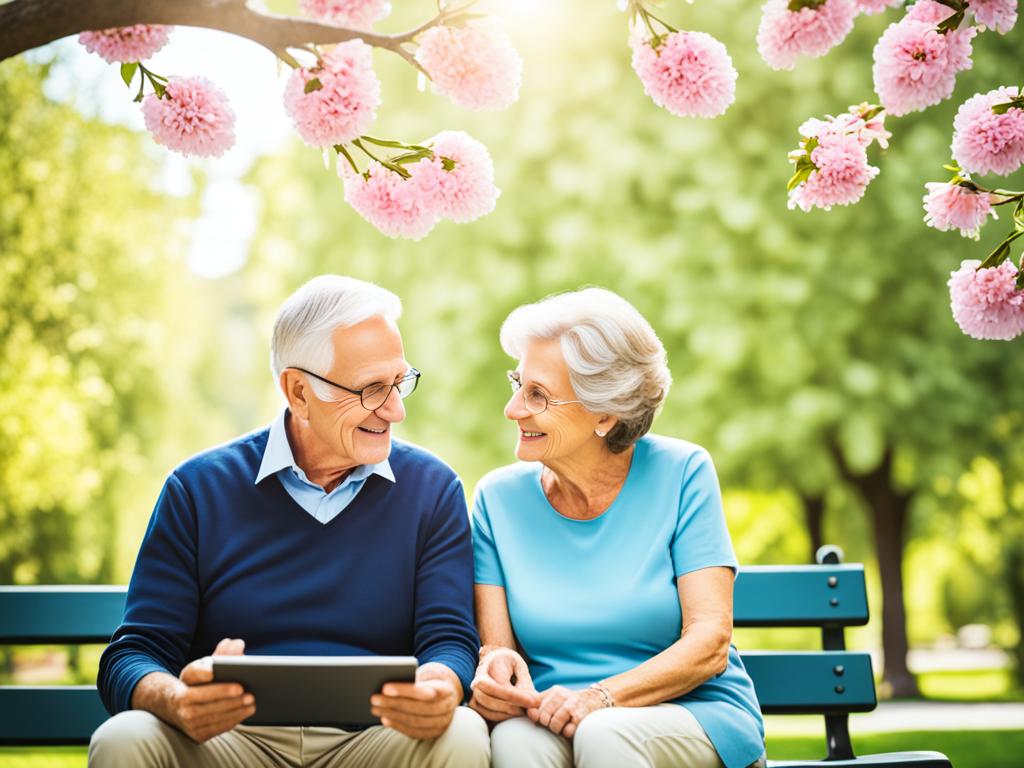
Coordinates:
[373,396]
[536,402]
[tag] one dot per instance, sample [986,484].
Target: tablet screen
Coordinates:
[313,690]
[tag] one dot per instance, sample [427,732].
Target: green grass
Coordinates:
[970,685]
[966,749]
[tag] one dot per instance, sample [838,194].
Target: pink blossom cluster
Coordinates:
[784,34]
[476,67]
[985,302]
[838,155]
[954,206]
[336,100]
[357,14]
[1000,15]
[984,141]
[193,117]
[871,7]
[688,73]
[915,65]
[456,183]
[126,44]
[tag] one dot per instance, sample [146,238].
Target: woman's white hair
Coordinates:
[617,364]
[309,317]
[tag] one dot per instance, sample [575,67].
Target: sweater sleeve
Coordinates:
[163,598]
[444,628]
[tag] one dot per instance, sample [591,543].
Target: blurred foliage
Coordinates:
[89,292]
[790,335]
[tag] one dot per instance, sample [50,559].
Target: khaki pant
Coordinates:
[666,735]
[138,739]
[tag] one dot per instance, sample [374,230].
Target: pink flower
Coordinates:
[193,117]
[124,44]
[986,303]
[984,141]
[916,65]
[841,171]
[336,100]
[785,34]
[459,178]
[871,7]
[688,73]
[999,15]
[357,14]
[396,206]
[952,206]
[476,67]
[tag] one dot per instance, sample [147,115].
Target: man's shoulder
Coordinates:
[236,455]
[411,460]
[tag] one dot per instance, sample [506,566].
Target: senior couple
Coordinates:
[599,566]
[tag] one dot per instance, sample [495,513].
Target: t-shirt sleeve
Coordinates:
[701,538]
[486,564]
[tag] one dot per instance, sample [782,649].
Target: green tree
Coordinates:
[87,286]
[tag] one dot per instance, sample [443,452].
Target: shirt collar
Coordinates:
[278,455]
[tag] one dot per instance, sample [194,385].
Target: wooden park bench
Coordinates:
[832,682]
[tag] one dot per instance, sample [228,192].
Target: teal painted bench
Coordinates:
[832,682]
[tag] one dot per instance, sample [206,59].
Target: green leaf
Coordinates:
[998,256]
[796,5]
[447,163]
[313,84]
[951,23]
[159,88]
[128,70]
[804,169]
[395,144]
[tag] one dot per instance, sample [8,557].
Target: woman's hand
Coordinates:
[561,711]
[502,687]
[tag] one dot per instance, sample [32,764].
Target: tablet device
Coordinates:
[313,690]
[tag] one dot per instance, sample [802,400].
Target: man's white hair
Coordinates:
[617,364]
[309,317]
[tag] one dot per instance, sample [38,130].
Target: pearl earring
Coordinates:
[600,433]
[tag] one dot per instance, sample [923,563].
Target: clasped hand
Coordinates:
[503,689]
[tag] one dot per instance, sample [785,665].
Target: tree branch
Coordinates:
[27,24]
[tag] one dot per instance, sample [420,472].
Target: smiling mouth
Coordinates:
[370,431]
[527,435]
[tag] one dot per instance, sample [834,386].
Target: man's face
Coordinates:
[367,353]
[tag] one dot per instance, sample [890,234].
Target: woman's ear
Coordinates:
[605,425]
[296,391]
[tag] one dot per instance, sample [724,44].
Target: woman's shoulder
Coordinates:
[673,452]
[512,477]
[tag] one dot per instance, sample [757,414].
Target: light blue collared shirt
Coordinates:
[324,507]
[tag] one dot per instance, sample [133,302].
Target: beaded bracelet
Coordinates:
[607,700]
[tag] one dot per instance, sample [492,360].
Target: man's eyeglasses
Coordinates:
[536,402]
[373,396]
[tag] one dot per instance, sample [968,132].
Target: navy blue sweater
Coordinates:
[222,557]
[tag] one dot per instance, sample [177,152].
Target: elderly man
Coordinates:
[320,535]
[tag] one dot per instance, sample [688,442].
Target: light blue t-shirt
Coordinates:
[590,599]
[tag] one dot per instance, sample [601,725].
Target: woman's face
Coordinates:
[561,430]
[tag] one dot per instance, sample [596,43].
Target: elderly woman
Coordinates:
[604,569]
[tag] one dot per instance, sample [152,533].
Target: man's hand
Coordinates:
[495,696]
[420,710]
[561,711]
[203,709]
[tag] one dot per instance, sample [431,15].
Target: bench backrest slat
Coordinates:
[800,596]
[829,682]
[64,614]
[62,714]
